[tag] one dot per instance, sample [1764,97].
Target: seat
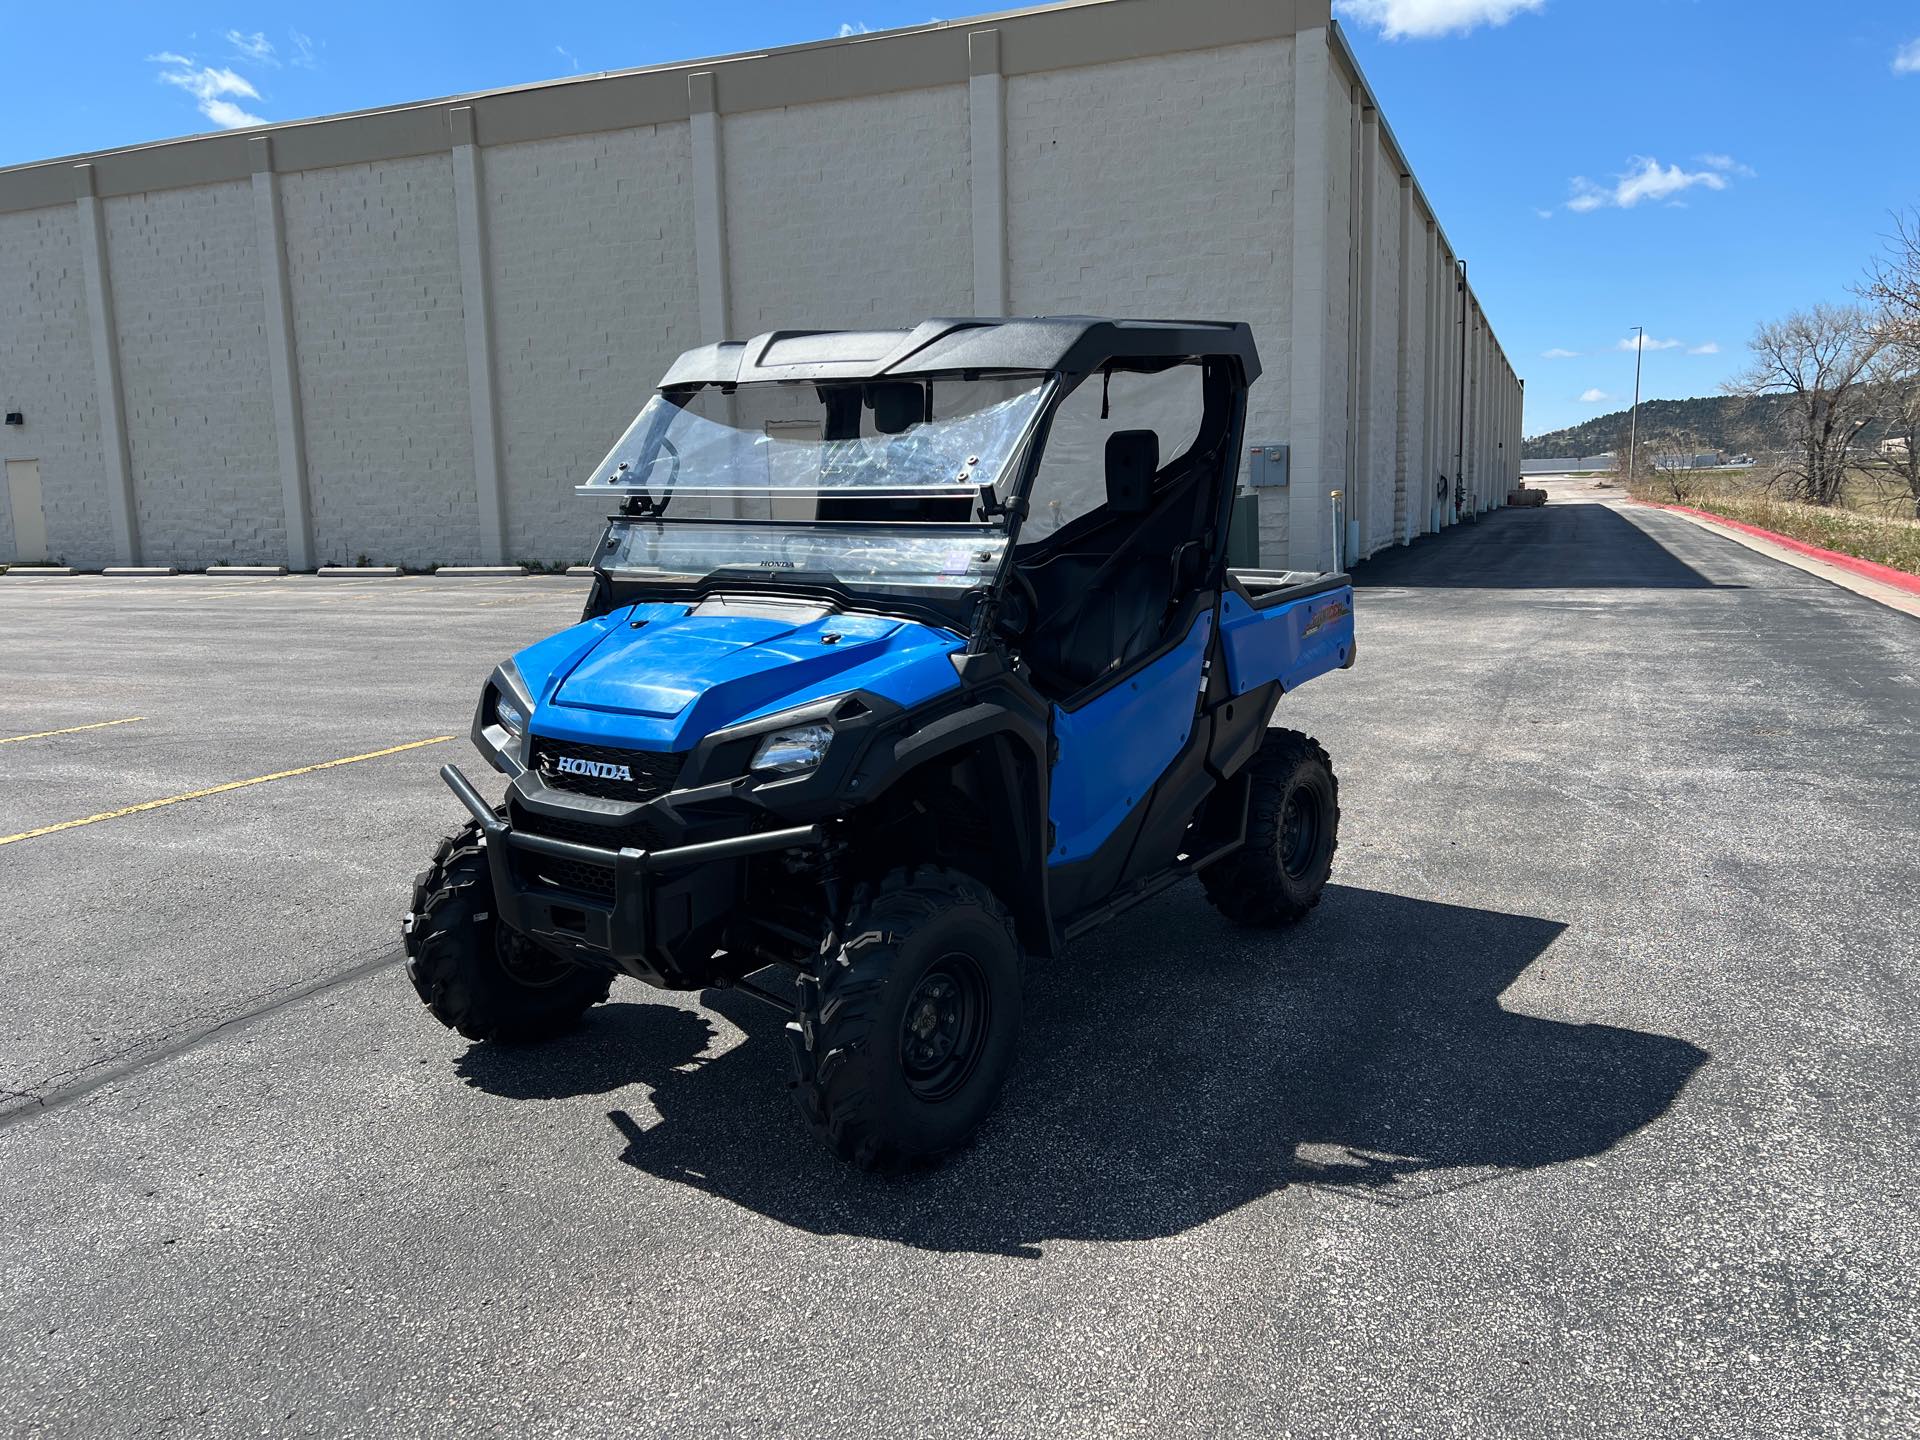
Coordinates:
[1103,590]
[1069,652]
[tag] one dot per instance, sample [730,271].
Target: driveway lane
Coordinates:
[1582,1105]
[129,934]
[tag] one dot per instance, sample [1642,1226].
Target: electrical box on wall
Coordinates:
[1267,465]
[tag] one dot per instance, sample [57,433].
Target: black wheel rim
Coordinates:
[1302,823]
[525,963]
[944,1027]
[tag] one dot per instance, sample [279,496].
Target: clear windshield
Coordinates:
[856,557]
[872,438]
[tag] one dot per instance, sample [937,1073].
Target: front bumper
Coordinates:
[632,930]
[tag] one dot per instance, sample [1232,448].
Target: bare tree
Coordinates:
[1893,280]
[1820,357]
[1677,465]
[1896,404]
[1620,474]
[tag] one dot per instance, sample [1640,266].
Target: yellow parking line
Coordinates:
[70,730]
[219,790]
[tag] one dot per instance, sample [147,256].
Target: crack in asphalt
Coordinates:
[56,1092]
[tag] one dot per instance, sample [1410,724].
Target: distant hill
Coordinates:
[1730,423]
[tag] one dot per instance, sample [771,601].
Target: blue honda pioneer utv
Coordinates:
[909,655]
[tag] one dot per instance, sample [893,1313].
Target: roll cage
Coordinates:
[1188,496]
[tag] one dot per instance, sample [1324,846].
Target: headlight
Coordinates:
[510,716]
[793,752]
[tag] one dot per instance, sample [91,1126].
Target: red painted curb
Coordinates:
[1873,570]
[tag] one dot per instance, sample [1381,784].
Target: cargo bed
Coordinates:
[1263,588]
[1285,625]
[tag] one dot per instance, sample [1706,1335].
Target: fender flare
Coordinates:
[1015,742]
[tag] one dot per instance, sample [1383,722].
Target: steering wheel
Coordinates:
[642,502]
[624,470]
[1026,611]
[672,452]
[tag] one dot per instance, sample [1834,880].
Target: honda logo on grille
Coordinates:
[598,769]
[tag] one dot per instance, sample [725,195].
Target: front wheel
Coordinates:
[1293,828]
[907,1032]
[476,975]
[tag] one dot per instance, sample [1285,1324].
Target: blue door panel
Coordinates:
[1113,748]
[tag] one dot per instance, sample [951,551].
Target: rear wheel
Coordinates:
[1293,828]
[476,975]
[907,1033]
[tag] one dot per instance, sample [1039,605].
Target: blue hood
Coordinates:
[657,677]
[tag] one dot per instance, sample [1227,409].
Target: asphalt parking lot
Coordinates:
[1585,1104]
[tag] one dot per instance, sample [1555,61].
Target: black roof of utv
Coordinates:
[1074,344]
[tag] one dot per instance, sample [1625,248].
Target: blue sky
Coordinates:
[1694,166]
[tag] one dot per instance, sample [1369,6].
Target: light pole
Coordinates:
[1633,424]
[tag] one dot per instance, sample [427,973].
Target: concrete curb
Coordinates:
[348,572]
[134,570]
[581,570]
[26,570]
[469,571]
[246,569]
[1872,570]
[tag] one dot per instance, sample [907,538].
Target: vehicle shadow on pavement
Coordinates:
[1174,1069]
[1565,546]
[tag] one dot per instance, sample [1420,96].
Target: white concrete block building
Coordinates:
[405,334]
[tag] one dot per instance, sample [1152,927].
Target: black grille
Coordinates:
[653,772]
[580,876]
[634,834]
[575,875]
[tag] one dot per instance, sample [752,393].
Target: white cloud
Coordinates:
[1646,342]
[255,47]
[1422,19]
[229,116]
[1645,179]
[1594,397]
[568,56]
[1712,347]
[1727,165]
[1558,354]
[853,27]
[214,88]
[304,56]
[1652,182]
[1906,60]
[1543,214]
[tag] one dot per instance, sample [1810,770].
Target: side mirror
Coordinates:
[1133,458]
